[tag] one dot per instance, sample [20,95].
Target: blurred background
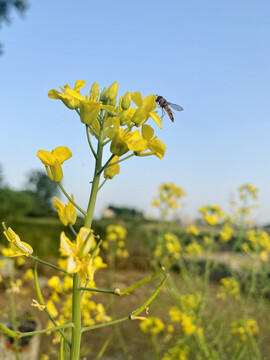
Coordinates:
[210,57]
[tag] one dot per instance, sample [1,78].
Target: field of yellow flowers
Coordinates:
[215,304]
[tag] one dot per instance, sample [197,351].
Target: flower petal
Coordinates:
[62,153]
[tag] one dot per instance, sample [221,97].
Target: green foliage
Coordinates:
[6,6]
[126,213]
[40,184]
[20,203]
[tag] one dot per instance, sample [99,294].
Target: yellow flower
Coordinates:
[79,259]
[145,109]
[28,275]
[248,190]
[139,144]
[52,309]
[244,328]
[211,219]
[175,314]
[119,142]
[66,213]
[53,161]
[19,248]
[54,283]
[115,232]
[70,97]
[192,230]
[112,170]
[193,249]
[187,324]
[226,233]
[229,286]
[153,325]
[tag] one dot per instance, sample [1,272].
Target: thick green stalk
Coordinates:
[76,304]
[96,178]
[76,319]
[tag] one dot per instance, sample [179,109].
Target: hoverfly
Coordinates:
[165,106]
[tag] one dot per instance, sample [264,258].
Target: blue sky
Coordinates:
[211,57]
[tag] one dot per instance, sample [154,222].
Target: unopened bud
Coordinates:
[112,91]
[94,90]
[126,101]
[103,95]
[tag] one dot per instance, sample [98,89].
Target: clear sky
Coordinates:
[211,57]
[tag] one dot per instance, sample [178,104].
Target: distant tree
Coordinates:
[5,8]
[127,213]
[39,183]
[1,175]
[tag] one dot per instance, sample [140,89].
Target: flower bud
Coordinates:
[94,91]
[103,95]
[113,102]
[112,91]
[126,101]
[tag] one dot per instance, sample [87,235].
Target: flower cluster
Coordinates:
[212,214]
[244,328]
[226,233]
[186,313]
[245,206]
[177,352]
[168,198]
[116,236]
[228,287]
[152,325]
[121,119]
[258,242]
[168,249]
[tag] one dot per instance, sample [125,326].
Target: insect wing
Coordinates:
[176,107]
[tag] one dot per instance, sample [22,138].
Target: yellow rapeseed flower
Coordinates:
[153,325]
[18,247]
[67,213]
[192,230]
[53,161]
[112,170]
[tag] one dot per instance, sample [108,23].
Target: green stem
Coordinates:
[96,178]
[89,142]
[155,345]
[114,163]
[98,290]
[43,331]
[13,309]
[113,322]
[76,299]
[49,264]
[104,347]
[76,319]
[42,302]
[141,282]
[104,181]
[73,230]
[70,199]
[132,316]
